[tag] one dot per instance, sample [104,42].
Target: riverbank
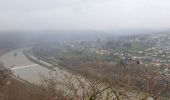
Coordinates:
[38,61]
[76,79]
[65,81]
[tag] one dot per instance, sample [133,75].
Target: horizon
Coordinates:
[108,15]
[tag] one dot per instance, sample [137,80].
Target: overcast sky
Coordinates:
[83,14]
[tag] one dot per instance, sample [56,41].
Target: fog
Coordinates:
[101,15]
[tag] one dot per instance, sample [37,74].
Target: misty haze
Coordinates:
[84,50]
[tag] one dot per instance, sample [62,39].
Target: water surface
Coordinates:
[16,58]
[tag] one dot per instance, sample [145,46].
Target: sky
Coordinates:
[83,14]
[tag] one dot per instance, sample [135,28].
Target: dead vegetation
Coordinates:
[92,87]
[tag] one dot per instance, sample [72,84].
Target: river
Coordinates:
[22,67]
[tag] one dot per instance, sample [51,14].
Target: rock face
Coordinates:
[149,98]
